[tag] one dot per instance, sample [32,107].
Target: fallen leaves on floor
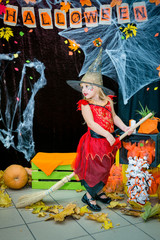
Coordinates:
[131,212]
[150,211]
[114,204]
[58,213]
[135,205]
[115,196]
[2,184]
[107,225]
[144,211]
[101,218]
[5,200]
[67,211]
[38,207]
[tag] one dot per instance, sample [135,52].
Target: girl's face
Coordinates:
[88,90]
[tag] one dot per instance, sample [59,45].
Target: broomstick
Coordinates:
[35,197]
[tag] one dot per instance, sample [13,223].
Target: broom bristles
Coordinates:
[29,199]
[35,197]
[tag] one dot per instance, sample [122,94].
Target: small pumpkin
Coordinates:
[15,176]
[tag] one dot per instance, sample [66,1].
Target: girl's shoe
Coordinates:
[92,207]
[103,200]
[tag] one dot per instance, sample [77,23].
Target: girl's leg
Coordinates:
[91,202]
[101,196]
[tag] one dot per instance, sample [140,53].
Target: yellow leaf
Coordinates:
[51,216]
[84,210]
[76,216]
[79,190]
[5,200]
[114,204]
[99,217]
[107,225]
[2,184]
[131,212]
[135,205]
[68,210]
[42,214]
[115,196]
[6,33]
[77,210]
[38,206]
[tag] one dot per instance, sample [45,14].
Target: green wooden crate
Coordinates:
[41,181]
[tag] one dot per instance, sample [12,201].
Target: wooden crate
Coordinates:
[41,181]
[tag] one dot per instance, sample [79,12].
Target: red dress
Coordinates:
[95,156]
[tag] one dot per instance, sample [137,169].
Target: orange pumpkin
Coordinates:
[15,176]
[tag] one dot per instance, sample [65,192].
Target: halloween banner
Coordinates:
[90,15]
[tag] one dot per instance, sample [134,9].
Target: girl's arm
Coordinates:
[118,122]
[88,117]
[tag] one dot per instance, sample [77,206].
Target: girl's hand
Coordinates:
[110,139]
[128,128]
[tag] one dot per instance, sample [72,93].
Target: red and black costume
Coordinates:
[95,156]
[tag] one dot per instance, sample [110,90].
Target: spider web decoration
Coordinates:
[20,137]
[131,62]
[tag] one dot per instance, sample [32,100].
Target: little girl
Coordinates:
[96,150]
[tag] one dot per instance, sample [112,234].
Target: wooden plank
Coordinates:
[48,184]
[54,175]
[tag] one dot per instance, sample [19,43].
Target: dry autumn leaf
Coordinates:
[85,2]
[131,212]
[115,196]
[5,200]
[73,45]
[55,209]
[38,206]
[84,210]
[76,216]
[114,204]
[67,211]
[79,190]
[65,6]
[157,2]
[135,205]
[115,2]
[2,185]
[42,214]
[107,225]
[77,210]
[98,217]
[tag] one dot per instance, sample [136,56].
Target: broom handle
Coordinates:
[136,125]
[68,177]
[60,183]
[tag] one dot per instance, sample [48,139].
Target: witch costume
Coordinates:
[95,155]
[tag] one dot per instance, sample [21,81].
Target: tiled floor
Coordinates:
[21,224]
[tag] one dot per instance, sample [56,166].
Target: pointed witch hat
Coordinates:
[93,76]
